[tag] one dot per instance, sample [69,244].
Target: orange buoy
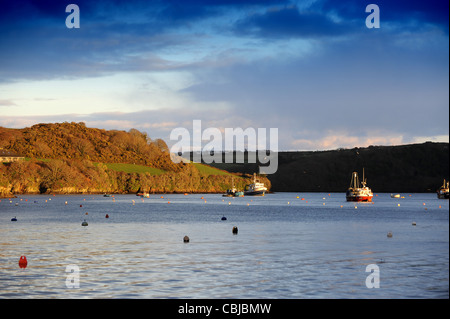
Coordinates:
[23,262]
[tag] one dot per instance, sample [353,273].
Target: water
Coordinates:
[286,247]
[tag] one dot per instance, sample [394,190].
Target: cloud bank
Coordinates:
[311,69]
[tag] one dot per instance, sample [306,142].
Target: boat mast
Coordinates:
[354,183]
[363,180]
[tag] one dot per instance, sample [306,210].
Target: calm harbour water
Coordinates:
[286,247]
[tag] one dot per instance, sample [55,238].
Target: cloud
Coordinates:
[7,103]
[289,22]
[311,69]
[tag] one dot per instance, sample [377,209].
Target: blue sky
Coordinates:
[312,69]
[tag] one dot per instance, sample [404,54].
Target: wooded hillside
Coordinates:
[403,168]
[72,158]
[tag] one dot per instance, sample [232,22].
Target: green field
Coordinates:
[208,170]
[133,168]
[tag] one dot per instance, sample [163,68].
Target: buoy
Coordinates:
[14,219]
[84,223]
[224,218]
[23,262]
[389,234]
[186,239]
[414,223]
[235,230]
[81,205]
[106,216]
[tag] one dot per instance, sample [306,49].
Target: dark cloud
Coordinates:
[289,22]
[407,14]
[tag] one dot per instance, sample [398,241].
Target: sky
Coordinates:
[312,69]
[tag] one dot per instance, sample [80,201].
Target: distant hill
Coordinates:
[72,158]
[400,169]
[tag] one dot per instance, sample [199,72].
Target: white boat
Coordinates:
[256,188]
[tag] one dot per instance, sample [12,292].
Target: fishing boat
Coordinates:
[442,192]
[256,188]
[358,192]
[233,192]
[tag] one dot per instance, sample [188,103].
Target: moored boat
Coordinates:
[143,195]
[358,192]
[256,188]
[233,192]
[443,191]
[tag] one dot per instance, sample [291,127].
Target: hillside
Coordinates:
[72,158]
[405,168]
[76,141]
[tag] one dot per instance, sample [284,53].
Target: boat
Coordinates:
[358,192]
[395,195]
[233,192]
[143,195]
[442,192]
[256,188]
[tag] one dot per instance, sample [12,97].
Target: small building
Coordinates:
[7,156]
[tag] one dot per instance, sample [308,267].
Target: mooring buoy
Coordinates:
[23,262]
[84,223]
[235,230]
[186,239]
